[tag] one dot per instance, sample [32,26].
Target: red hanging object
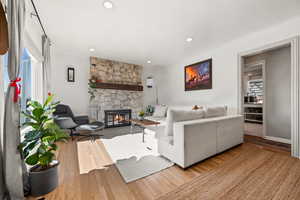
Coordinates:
[17,86]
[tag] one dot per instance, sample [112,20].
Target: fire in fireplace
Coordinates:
[117,118]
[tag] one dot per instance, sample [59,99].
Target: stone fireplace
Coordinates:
[116,85]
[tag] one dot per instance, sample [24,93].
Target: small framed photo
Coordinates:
[71,74]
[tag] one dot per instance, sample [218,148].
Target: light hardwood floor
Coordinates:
[248,171]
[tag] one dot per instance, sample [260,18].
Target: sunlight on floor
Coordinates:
[119,148]
[86,159]
[130,145]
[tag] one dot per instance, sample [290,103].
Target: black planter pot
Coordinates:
[45,181]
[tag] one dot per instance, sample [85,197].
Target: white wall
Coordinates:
[158,74]
[76,94]
[225,68]
[73,94]
[170,79]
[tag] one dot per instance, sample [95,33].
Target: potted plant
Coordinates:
[39,146]
[92,88]
[141,115]
[149,109]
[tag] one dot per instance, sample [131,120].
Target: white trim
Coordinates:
[295,95]
[278,139]
[294,43]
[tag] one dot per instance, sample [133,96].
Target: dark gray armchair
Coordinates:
[65,111]
[65,119]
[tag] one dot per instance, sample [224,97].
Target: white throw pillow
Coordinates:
[181,115]
[217,111]
[160,111]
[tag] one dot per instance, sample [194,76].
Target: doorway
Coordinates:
[254,97]
[268,93]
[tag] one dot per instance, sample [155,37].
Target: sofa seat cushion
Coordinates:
[186,108]
[179,116]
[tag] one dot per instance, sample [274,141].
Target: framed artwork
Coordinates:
[71,74]
[198,76]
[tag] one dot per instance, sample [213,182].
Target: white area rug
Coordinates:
[133,158]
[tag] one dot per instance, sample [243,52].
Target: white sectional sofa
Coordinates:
[204,134]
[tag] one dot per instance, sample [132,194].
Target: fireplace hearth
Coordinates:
[117,118]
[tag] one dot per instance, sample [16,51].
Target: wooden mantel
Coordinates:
[115,86]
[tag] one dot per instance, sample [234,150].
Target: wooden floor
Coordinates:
[268,143]
[249,171]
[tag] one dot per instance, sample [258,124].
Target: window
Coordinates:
[26,80]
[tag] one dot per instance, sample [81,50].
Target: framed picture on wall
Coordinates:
[198,76]
[71,74]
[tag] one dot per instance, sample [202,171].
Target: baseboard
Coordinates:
[278,139]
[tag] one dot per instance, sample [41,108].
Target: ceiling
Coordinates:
[139,30]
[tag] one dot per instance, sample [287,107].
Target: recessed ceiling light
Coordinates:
[189,39]
[149,61]
[92,50]
[108,4]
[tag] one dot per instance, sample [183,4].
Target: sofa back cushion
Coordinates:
[185,107]
[216,111]
[181,115]
[160,111]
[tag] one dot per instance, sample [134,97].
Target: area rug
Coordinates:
[133,158]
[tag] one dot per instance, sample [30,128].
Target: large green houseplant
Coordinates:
[39,146]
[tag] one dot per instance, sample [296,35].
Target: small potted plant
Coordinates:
[149,110]
[92,88]
[39,146]
[141,115]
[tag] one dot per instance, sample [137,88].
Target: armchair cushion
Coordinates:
[62,110]
[65,111]
[81,119]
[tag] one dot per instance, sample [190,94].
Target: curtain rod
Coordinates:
[38,16]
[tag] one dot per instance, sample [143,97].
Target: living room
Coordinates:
[147,99]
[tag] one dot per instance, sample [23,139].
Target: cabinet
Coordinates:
[253,113]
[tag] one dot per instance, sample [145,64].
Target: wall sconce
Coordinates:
[149,82]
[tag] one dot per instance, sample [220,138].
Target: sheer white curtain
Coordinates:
[36,66]
[37,80]
[2,184]
[2,187]
[46,66]
[11,134]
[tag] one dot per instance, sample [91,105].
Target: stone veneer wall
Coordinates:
[108,71]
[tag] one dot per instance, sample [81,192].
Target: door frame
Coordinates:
[295,76]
